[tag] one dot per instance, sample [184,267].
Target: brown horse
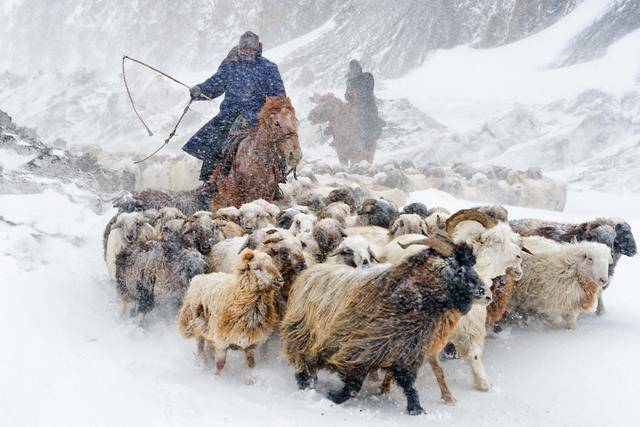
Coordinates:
[255,164]
[347,138]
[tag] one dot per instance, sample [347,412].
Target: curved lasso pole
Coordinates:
[126,86]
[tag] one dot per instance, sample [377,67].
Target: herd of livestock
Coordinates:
[351,283]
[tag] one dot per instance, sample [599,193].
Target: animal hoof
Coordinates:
[249,381]
[449,400]
[336,397]
[417,410]
[483,386]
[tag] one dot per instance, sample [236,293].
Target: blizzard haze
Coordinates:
[550,88]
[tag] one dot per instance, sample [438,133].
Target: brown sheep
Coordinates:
[233,310]
[354,322]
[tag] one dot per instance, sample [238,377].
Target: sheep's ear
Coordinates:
[246,256]
[394,227]
[424,228]
[373,256]
[336,252]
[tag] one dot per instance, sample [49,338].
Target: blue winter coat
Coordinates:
[245,85]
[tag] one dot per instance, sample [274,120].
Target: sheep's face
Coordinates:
[498,249]
[355,252]
[408,224]
[285,219]
[594,262]
[310,247]
[200,235]
[302,223]
[287,255]
[263,269]
[376,212]
[230,213]
[624,242]
[255,218]
[167,214]
[464,285]
[328,234]
[130,224]
[416,208]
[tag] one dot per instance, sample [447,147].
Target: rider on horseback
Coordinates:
[359,96]
[247,79]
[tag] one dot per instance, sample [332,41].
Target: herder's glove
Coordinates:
[195,92]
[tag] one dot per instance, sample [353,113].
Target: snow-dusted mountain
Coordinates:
[485,81]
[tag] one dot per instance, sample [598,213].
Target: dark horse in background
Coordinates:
[345,126]
[255,164]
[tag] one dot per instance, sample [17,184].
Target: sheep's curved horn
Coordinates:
[443,247]
[468,215]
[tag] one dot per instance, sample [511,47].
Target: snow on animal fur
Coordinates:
[561,280]
[233,310]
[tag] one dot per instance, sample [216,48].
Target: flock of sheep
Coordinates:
[350,283]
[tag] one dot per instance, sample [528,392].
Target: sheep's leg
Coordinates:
[374,376]
[472,354]
[600,308]
[303,380]
[556,320]
[572,321]
[200,354]
[385,387]
[445,394]
[250,357]
[406,380]
[352,385]
[221,358]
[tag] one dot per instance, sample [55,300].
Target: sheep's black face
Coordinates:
[465,286]
[419,209]
[624,242]
[285,220]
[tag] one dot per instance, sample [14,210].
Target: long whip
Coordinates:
[184,112]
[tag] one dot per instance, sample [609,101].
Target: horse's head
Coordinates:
[279,117]
[328,106]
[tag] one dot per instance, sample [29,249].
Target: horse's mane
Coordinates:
[273,104]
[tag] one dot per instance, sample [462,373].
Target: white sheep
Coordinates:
[561,280]
[354,251]
[408,224]
[257,214]
[302,223]
[127,229]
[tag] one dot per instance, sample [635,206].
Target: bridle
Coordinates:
[275,138]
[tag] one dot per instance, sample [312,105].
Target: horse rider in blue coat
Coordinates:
[246,79]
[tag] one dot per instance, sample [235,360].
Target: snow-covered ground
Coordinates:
[68,359]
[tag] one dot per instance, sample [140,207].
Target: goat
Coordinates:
[408,224]
[302,223]
[561,280]
[328,234]
[615,233]
[497,249]
[123,230]
[189,202]
[147,271]
[354,251]
[377,212]
[232,310]
[417,208]
[357,321]
[336,210]
[255,215]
